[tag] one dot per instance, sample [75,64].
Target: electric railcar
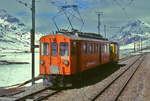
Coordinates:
[63,56]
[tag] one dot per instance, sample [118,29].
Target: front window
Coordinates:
[54,49]
[64,49]
[44,49]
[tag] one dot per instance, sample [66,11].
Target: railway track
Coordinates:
[136,64]
[126,58]
[47,92]
[39,95]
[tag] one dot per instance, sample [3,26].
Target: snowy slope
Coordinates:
[133,31]
[137,32]
[14,35]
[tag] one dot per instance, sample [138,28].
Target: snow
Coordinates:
[14,36]
[16,73]
[126,50]
[132,31]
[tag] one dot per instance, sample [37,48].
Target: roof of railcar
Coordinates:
[74,37]
[114,42]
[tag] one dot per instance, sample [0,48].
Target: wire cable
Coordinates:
[68,14]
[123,9]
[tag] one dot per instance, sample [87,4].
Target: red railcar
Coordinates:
[68,55]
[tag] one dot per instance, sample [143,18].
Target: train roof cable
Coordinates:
[64,8]
[53,19]
[71,16]
[77,10]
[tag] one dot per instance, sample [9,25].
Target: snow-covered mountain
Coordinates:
[133,31]
[14,35]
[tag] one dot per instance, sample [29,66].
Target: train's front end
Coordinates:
[54,58]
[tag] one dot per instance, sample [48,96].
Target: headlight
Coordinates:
[41,62]
[66,62]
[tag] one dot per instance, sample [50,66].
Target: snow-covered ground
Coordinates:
[129,48]
[15,47]
[17,73]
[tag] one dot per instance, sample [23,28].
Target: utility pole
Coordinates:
[32,41]
[141,44]
[105,30]
[99,21]
[134,43]
[33,46]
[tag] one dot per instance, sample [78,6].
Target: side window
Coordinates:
[111,50]
[64,50]
[84,47]
[102,48]
[107,48]
[96,48]
[90,48]
[44,49]
[54,49]
[116,49]
[93,48]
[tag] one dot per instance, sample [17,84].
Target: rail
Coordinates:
[123,87]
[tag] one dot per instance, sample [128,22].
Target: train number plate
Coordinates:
[54,69]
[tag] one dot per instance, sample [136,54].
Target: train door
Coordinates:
[78,60]
[54,57]
[64,52]
[74,57]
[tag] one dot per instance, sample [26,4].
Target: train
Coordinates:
[64,56]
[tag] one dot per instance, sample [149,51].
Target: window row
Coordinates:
[94,48]
[64,51]
[105,48]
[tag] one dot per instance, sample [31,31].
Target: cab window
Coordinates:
[44,49]
[54,49]
[64,49]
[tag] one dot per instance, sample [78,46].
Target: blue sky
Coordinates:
[116,13]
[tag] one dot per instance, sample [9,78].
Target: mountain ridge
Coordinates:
[14,35]
[132,31]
